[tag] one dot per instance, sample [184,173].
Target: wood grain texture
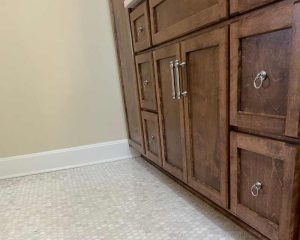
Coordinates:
[205,79]
[170,114]
[239,6]
[293,112]
[183,16]
[126,62]
[146,81]
[152,137]
[263,41]
[276,165]
[139,18]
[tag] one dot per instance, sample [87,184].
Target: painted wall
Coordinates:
[59,83]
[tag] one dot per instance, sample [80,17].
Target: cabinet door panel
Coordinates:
[170,112]
[264,184]
[206,117]
[172,18]
[152,137]
[239,6]
[128,76]
[260,44]
[146,81]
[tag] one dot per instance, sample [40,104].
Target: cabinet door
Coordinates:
[126,63]
[206,117]
[239,6]
[172,18]
[140,27]
[170,112]
[145,75]
[265,73]
[152,137]
[265,184]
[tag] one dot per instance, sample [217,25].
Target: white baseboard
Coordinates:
[65,158]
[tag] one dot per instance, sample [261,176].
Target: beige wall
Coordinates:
[59,82]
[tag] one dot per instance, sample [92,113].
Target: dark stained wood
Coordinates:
[293,113]
[172,18]
[120,19]
[239,6]
[152,137]
[276,165]
[264,42]
[206,117]
[146,81]
[140,27]
[170,113]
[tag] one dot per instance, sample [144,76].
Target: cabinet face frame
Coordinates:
[280,18]
[288,154]
[214,38]
[239,6]
[138,12]
[152,117]
[127,71]
[147,104]
[164,53]
[202,18]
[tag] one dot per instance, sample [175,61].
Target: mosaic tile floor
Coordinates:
[128,199]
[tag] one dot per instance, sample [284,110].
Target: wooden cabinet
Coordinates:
[152,137]
[126,63]
[242,74]
[264,56]
[146,81]
[264,184]
[239,6]
[172,18]
[140,27]
[206,118]
[170,111]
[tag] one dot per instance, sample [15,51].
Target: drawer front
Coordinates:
[140,27]
[172,18]
[264,184]
[264,75]
[239,6]
[152,137]
[146,80]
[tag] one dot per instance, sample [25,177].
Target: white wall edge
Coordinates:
[17,166]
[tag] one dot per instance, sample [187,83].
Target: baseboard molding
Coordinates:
[23,165]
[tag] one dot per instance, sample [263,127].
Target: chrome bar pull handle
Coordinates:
[177,79]
[173,79]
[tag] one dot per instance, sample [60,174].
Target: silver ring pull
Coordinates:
[140,29]
[260,78]
[152,138]
[146,82]
[256,188]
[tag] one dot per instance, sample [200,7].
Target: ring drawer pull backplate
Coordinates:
[260,78]
[146,82]
[256,188]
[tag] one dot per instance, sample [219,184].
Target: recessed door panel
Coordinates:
[205,80]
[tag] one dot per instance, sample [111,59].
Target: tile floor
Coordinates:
[127,199]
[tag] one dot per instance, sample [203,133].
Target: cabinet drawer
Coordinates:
[172,18]
[264,72]
[146,80]
[152,137]
[140,27]
[239,6]
[265,184]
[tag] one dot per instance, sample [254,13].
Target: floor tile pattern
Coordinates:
[123,200]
